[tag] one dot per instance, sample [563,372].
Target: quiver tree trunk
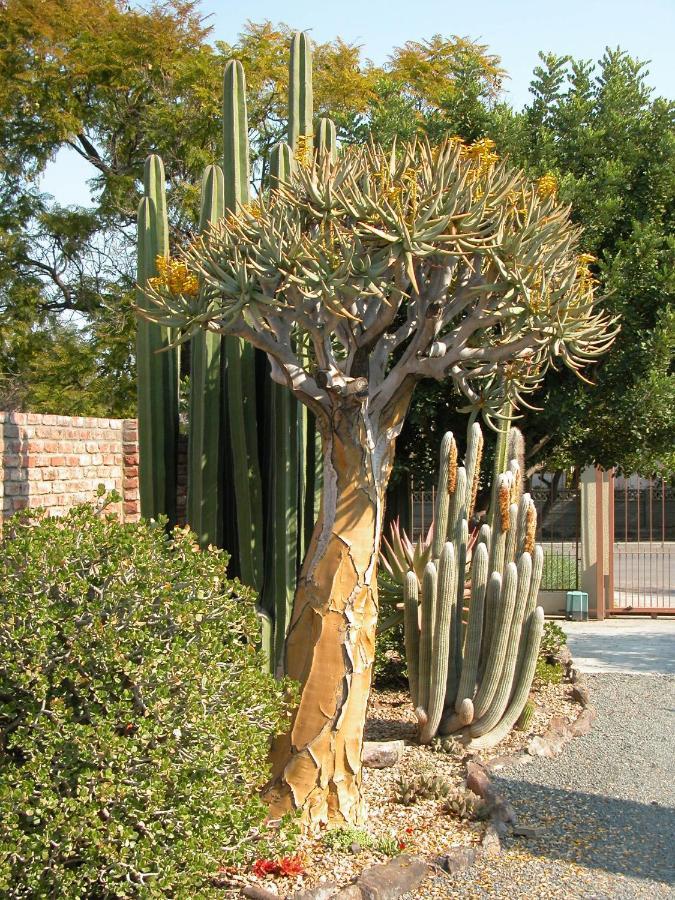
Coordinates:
[330,647]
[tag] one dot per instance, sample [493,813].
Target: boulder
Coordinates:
[381,754]
[392,879]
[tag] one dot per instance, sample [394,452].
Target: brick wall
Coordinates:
[59,461]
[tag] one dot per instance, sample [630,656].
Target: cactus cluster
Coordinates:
[253,450]
[474,679]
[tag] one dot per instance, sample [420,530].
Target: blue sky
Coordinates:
[513,29]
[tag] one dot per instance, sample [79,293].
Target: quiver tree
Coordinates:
[358,276]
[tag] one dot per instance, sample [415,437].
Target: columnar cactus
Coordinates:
[204,464]
[475,680]
[239,356]
[325,138]
[157,372]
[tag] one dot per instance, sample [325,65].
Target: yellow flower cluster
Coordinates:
[584,274]
[452,468]
[547,186]
[174,274]
[530,529]
[253,209]
[304,150]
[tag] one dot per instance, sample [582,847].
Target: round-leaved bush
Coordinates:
[135,715]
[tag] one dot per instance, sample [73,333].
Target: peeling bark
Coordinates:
[330,648]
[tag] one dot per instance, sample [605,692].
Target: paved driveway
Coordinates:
[631,645]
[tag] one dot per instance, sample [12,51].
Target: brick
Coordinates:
[19,503]
[130,483]
[57,461]
[16,488]
[18,418]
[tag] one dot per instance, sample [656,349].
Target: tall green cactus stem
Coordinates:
[484,536]
[522,526]
[474,454]
[300,96]
[474,632]
[206,399]
[412,633]
[429,588]
[236,166]
[325,138]
[444,626]
[283,535]
[499,641]
[240,363]
[447,483]
[532,594]
[516,451]
[157,366]
[281,165]
[500,700]
[455,667]
[458,506]
[535,629]
[512,534]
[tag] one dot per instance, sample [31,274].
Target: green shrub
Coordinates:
[552,639]
[389,670]
[547,673]
[559,573]
[345,836]
[135,716]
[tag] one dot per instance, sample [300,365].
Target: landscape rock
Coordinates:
[321,892]
[580,694]
[255,892]
[584,721]
[390,880]
[352,892]
[477,780]
[491,844]
[381,754]
[457,859]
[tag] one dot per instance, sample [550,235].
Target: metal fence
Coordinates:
[643,565]
[558,528]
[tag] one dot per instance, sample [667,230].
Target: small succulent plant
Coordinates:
[465,805]
[422,787]
[447,745]
[525,720]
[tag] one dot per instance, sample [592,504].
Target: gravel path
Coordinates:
[604,810]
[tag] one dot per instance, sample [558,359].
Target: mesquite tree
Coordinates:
[358,276]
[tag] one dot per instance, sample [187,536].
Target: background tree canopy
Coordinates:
[114,83]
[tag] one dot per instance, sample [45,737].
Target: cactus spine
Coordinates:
[206,399]
[157,372]
[475,683]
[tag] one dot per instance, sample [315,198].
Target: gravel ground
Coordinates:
[604,810]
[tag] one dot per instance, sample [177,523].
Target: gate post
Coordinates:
[596,541]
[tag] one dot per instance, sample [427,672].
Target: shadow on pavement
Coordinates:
[623,837]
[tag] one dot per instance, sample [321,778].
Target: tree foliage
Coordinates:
[113,83]
[610,146]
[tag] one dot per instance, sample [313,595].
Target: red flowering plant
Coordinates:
[285,866]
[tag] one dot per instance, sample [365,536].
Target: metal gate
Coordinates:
[558,527]
[642,565]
